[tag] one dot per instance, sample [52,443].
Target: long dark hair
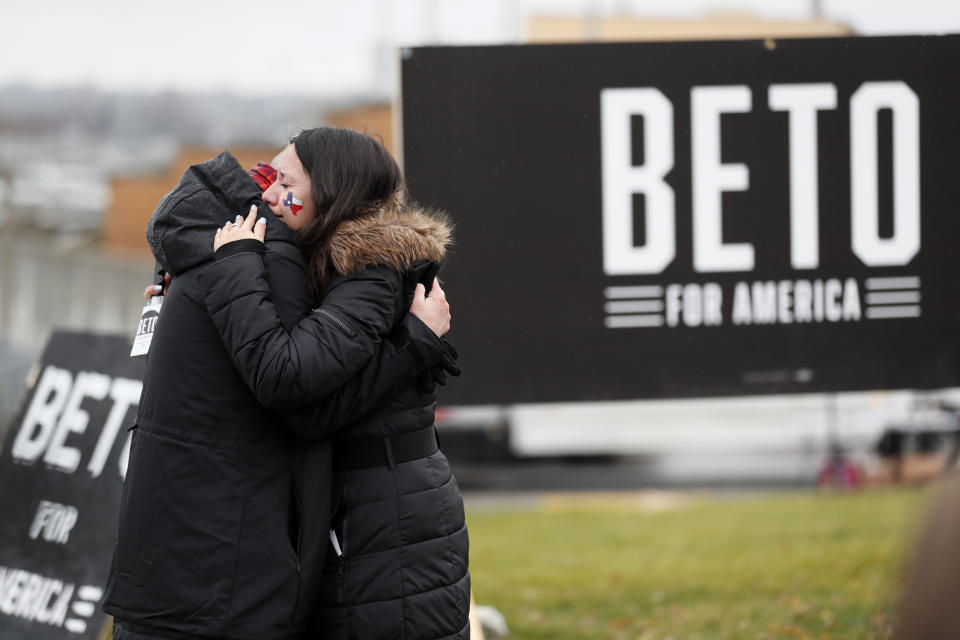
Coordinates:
[351,175]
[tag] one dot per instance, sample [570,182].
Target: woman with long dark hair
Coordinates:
[397,559]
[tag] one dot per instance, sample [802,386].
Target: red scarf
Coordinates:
[264,175]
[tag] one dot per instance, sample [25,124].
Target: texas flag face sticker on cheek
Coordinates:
[294,204]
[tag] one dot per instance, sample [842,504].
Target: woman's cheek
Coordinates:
[293,203]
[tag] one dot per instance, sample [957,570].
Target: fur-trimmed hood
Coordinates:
[392,237]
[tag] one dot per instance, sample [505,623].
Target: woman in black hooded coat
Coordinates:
[398,536]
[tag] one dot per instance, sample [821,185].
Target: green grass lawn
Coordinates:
[792,565]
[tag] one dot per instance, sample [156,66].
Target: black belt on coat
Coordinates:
[368,452]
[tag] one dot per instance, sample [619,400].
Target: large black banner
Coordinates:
[693,219]
[61,473]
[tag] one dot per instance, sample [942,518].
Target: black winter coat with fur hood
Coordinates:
[226,504]
[399,562]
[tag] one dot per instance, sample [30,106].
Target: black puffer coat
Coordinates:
[400,563]
[225,508]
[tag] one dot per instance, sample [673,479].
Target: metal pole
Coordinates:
[592,23]
[816,9]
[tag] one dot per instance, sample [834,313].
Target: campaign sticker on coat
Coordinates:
[61,475]
[656,220]
[146,326]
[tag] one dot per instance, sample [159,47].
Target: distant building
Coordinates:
[375,119]
[136,196]
[715,26]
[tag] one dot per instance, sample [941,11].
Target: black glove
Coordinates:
[437,375]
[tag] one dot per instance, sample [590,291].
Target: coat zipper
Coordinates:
[340,547]
[296,600]
[299,541]
[299,512]
[298,505]
[339,321]
[340,580]
[341,563]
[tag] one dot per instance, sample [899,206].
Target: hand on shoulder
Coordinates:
[432,309]
[241,229]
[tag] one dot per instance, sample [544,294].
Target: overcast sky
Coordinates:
[330,47]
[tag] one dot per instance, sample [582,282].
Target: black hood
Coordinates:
[181,230]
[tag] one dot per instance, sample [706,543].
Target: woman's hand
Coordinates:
[241,229]
[433,310]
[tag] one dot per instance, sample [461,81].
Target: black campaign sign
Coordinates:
[693,219]
[61,473]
